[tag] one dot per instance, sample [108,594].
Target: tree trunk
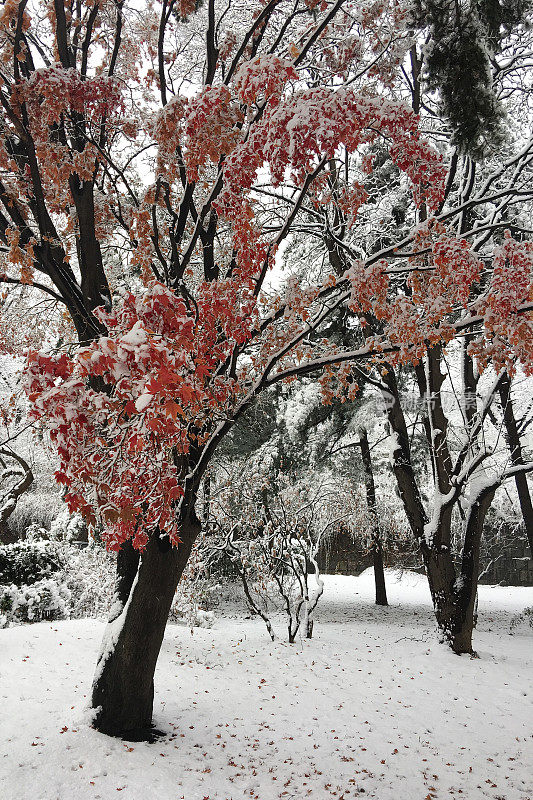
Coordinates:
[454,597]
[127,565]
[401,461]
[466,587]
[123,688]
[515,447]
[379,574]
[377,549]
[440,571]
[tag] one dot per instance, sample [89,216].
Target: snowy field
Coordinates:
[372,707]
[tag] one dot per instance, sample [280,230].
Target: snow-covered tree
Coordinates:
[174,150]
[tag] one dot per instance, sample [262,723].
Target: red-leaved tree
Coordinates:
[153,161]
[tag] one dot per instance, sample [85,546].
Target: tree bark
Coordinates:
[379,574]
[467,589]
[455,596]
[377,549]
[123,688]
[127,565]
[401,461]
[515,447]
[440,571]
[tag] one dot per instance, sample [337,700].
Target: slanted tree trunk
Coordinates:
[123,688]
[377,549]
[515,448]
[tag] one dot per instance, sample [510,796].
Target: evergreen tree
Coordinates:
[464,38]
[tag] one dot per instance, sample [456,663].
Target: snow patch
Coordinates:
[143,401]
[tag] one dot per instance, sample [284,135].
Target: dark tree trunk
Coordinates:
[379,574]
[123,688]
[401,461]
[468,579]
[515,447]
[440,571]
[454,596]
[377,549]
[127,565]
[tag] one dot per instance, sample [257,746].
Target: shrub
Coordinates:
[522,620]
[53,580]
[25,563]
[45,599]
[68,527]
[89,574]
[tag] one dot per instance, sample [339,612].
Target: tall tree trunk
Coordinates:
[377,549]
[466,586]
[515,448]
[454,595]
[123,688]
[379,574]
[400,458]
[440,571]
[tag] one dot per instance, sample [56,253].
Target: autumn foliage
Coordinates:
[120,446]
[168,363]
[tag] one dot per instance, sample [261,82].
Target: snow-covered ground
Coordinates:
[371,707]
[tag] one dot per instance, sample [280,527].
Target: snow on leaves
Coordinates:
[60,112]
[508,332]
[299,131]
[263,78]
[124,409]
[127,411]
[443,280]
[54,89]
[210,127]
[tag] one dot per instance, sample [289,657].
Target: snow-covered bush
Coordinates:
[37,508]
[26,562]
[8,601]
[186,610]
[68,527]
[197,591]
[53,580]
[270,530]
[522,621]
[45,599]
[89,575]
[350,543]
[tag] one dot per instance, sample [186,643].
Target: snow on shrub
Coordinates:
[35,510]
[8,601]
[26,562]
[53,580]
[45,599]
[89,575]
[196,593]
[68,527]
[522,621]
